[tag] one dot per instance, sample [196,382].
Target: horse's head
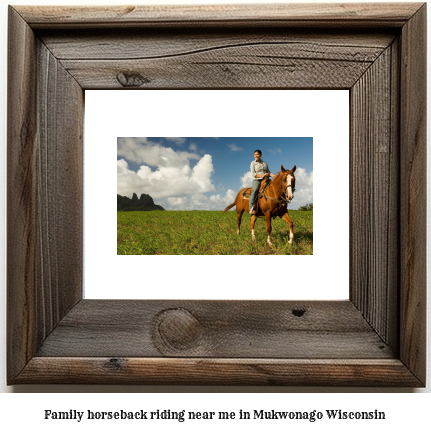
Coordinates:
[288,181]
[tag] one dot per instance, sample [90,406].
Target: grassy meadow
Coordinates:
[209,233]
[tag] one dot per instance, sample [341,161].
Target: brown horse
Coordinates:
[273,203]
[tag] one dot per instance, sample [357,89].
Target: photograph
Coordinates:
[193,196]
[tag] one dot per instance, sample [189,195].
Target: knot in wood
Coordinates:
[298,312]
[131,79]
[178,328]
[115,363]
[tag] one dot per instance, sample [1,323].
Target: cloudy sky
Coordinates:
[207,173]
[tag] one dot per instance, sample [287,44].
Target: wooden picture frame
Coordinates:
[376,338]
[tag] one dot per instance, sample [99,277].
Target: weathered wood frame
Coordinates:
[376,338]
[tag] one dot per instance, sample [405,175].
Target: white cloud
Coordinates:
[246,180]
[128,182]
[144,151]
[234,147]
[166,181]
[275,150]
[177,202]
[167,175]
[193,147]
[302,178]
[199,202]
[304,188]
[229,197]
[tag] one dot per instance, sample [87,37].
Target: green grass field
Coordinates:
[209,233]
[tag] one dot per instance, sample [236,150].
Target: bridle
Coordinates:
[283,196]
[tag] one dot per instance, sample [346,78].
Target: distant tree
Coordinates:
[307,207]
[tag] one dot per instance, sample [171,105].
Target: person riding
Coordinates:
[259,170]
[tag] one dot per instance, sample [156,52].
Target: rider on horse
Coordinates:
[259,170]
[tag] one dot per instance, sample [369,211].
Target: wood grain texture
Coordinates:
[53,336]
[227,329]
[21,196]
[139,44]
[205,59]
[286,63]
[413,173]
[301,15]
[44,193]
[229,70]
[374,199]
[59,182]
[197,371]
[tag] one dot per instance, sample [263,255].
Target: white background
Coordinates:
[323,115]
[22,410]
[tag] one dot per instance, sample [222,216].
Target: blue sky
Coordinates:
[207,173]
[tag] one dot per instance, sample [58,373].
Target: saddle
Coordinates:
[263,186]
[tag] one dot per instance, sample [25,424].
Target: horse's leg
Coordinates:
[289,221]
[253,221]
[268,226]
[238,219]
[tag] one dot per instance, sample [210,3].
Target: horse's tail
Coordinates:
[229,207]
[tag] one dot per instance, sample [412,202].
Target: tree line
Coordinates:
[306,207]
